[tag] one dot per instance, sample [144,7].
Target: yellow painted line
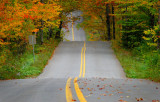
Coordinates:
[81,63]
[82,67]
[72,27]
[78,91]
[84,63]
[84,59]
[68,91]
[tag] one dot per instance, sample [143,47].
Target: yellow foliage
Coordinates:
[151,36]
[23,21]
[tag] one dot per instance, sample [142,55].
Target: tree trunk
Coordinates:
[151,17]
[50,32]
[159,28]
[113,22]
[58,33]
[41,32]
[151,20]
[108,21]
[41,28]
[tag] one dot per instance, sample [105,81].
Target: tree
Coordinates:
[108,20]
[20,18]
[158,41]
[113,18]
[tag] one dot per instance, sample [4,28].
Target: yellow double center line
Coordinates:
[82,68]
[79,93]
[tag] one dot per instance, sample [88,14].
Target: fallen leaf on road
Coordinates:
[120,92]
[74,100]
[100,88]
[89,89]
[110,94]
[60,89]
[103,95]
[155,101]
[139,99]
[122,101]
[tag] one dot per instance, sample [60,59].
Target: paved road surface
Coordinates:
[80,71]
[79,34]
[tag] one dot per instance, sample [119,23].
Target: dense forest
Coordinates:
[133,27]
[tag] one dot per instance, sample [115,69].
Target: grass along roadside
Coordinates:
[23,66]
[139,63]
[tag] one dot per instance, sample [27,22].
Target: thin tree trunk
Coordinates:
[50,32]
[41,32]
[151,20]
[151,17]
[41,28]
[58,33]
[113,22]
[159,28]
[108,21]
[126,20]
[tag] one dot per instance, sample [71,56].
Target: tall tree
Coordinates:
[113,18]
[159,25]
[108,21]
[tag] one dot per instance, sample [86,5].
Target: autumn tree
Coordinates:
[20,18]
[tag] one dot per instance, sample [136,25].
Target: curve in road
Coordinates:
[80,71]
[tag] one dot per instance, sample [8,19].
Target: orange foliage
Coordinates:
[18,21]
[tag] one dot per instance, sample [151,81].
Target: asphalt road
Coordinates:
[72,33]
[80,71]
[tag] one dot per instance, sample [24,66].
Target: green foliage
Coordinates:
[23,66]
[136,18]
[141,62]
[132,33]
[151,36]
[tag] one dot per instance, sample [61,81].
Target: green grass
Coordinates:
[139,63]
[23,66]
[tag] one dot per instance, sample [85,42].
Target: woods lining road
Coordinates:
[101,77]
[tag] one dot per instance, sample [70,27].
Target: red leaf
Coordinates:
[74,100]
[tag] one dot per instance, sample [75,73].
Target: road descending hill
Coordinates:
[80,71]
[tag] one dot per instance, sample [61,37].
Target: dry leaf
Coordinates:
[89,89]
[120,92]
[155,101]
[74,100]
[122,101]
